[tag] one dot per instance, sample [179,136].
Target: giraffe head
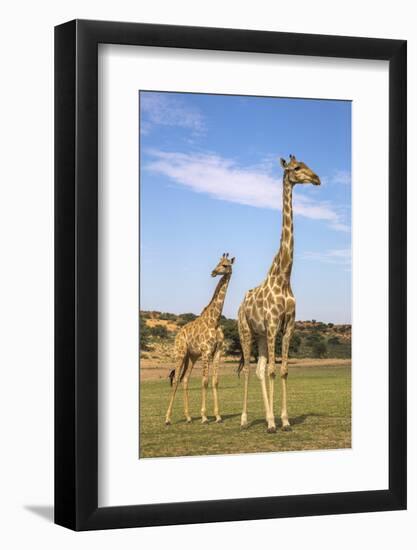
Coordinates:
[224,266]
[299,172]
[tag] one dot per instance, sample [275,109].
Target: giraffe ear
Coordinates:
[283,162]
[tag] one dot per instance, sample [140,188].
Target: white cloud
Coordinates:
[226,180]
[341,177]
[341,256]
[168,110]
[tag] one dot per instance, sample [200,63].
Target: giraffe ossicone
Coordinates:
[202,338]
[270,308]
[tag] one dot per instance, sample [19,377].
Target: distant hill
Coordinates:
[311,338]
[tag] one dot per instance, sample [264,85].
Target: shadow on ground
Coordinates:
[197,419]
[293,421]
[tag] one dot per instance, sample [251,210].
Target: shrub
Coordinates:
[319,349]
[144,333]
[231,334]
[314,337]
[159,331]
[167,316]
[294,344]
[185,318]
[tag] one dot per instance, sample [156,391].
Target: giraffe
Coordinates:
[203,338]
[270,307]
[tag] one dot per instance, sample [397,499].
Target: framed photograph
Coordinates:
[230,245]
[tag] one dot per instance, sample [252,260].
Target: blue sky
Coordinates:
[211,182]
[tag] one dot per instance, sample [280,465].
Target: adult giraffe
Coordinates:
[270,307]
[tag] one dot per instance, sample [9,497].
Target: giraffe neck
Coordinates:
[213,311]
[282,263]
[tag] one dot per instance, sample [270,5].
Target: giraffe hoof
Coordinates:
[271,430]
[219,420]
[167,422]
[286,428]
[244,420]
[188,420]
[204,421]
[244,426]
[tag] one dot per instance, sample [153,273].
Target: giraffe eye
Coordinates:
[297,168]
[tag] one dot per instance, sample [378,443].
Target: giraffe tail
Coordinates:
[240,366]
[183,370]
[171,377]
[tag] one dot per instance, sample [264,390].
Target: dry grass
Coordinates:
[171,326]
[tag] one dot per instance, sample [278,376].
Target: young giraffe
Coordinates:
[270,307]
[203,338]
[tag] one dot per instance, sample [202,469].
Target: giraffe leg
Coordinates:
[261,374]
[244,417]
[246,343]
[215,385]
[286,339]
[185,385]
[178,367]
[204,385]
[215,379]
[271,337]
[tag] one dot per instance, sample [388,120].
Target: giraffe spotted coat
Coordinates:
[270,308]
[202,338]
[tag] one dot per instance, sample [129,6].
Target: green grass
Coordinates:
[319,407]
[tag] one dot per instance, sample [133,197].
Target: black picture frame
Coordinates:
[76,274]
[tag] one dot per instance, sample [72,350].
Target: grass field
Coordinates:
[319,407]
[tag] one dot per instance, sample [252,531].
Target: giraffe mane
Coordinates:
[215,294]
